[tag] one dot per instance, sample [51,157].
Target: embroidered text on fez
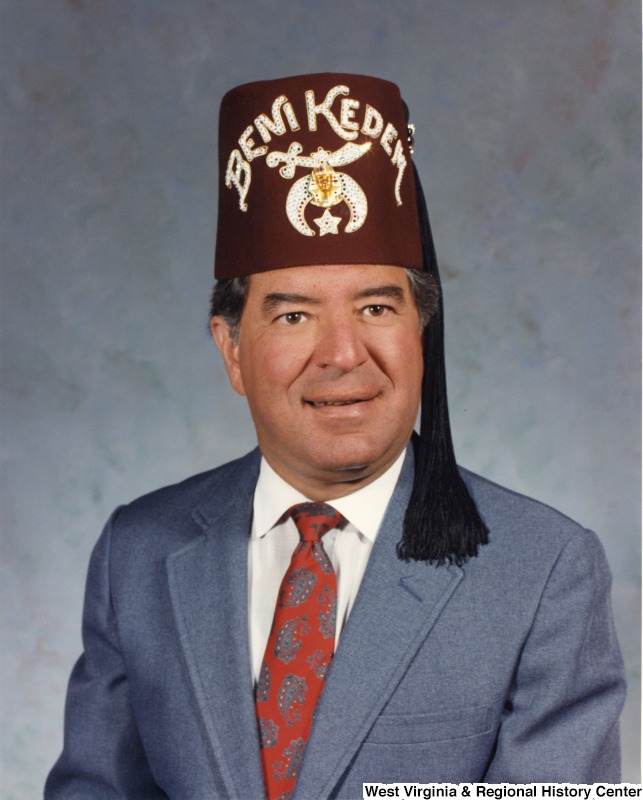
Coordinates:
[299,651]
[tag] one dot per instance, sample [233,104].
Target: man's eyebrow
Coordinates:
[275,299]
[389,290]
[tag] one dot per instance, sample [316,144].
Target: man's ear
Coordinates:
[229,350]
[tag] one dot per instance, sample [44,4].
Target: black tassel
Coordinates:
[442,523]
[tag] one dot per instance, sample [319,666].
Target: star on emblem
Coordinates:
[327,223]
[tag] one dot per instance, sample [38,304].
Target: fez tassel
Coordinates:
[442,523]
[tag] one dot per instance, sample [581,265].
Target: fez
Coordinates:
[315,169]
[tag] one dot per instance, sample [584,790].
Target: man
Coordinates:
[431,626]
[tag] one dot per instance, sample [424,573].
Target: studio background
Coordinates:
[528,144]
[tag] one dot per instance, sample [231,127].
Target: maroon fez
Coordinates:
[315,169]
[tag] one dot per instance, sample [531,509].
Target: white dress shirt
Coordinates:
[274,538]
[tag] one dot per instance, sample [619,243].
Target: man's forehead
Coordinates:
[330,280]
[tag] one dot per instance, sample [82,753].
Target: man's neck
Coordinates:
[324,486]
[365,507]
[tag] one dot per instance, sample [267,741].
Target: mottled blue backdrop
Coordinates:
[528,142]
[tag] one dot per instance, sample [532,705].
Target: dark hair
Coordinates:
[229,298]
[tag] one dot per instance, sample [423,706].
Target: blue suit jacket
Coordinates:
[506,669]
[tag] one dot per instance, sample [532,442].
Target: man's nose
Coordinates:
[341,345]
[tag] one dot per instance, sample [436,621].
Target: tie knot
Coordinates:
[313,520]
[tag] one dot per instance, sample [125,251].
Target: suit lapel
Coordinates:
[209,588]
[396,607]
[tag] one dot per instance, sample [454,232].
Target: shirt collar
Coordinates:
[364,509]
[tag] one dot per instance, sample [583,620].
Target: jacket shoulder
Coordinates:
[516,521]
[176,513]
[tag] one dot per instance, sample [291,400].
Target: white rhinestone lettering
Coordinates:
[347,112]
[246,144]
[388,137]
[399,161]
[265,126]
[373,122]
[238,174]
[314,110]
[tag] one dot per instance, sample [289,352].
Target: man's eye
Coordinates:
[292,317]
[376,310]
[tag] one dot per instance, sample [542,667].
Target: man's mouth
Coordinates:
[323,403]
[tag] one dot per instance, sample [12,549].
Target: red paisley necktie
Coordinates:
[299,651]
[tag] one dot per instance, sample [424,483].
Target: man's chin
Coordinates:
[356,468]
[330,469]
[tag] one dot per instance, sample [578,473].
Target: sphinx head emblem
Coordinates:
[324,187]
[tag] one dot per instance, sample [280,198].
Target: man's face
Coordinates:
[330,359]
